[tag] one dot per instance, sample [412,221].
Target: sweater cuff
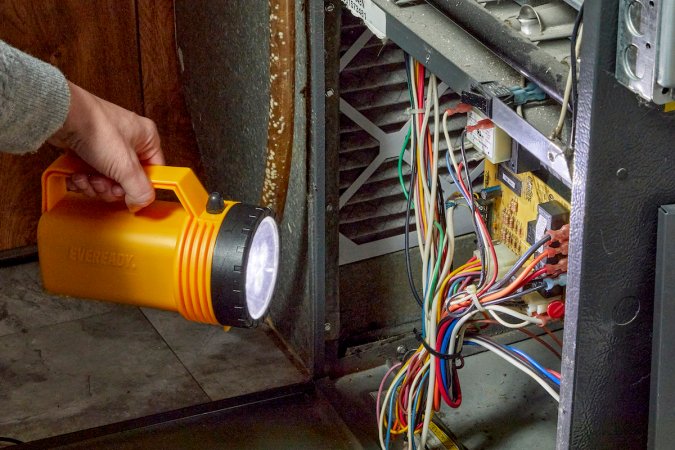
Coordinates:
[34,100]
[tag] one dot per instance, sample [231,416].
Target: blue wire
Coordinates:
[444,349]
[455,285]
[538,366]
[417,394]
[391,408]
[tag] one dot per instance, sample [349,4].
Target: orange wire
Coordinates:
[512,287]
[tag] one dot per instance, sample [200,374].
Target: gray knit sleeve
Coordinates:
[34,100]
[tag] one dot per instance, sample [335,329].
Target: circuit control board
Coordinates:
[514,211]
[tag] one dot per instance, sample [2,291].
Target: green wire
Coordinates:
[434,278]
[400,161]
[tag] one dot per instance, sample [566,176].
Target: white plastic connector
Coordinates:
[536,303]
[505,258]
[493,142]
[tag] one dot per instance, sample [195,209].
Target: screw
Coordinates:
[330,93]
[330,7]
[327,326]
[551,156]
[401,350]
[622,174]
[329,208]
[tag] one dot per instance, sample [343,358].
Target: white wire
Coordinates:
[517,364]
[568,91]
[411,395]
[503,309]
[429,200]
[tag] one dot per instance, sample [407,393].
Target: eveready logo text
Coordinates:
[103,258]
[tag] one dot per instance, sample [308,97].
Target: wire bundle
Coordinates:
[456,304]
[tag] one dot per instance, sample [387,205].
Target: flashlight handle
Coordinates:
[181,180]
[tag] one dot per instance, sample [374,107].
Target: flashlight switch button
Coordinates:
[215,203]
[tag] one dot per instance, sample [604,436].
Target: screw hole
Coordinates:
[648,45]
[665,91]
[651,3]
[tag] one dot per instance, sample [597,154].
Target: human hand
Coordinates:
[114,141]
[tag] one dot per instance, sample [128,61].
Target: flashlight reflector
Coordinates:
[262,267]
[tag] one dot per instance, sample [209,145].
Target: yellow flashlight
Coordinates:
[213,261]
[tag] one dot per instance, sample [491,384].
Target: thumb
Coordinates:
[139,192]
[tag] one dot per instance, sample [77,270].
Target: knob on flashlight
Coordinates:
[214,261]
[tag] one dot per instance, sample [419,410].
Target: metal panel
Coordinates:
[623,172]
[317,183]
[639,41]
[661,411]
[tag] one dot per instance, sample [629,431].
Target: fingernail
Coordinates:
[117,191]
[134,208]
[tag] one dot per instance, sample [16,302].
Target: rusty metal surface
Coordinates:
[281,105]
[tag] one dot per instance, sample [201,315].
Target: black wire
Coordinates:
[573,66]
[10,440]
[411,193]
[406,239]
[520,262]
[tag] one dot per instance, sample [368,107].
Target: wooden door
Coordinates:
[120,50]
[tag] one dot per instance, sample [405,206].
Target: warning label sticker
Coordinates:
[372,15]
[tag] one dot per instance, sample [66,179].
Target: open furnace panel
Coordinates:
[519,128]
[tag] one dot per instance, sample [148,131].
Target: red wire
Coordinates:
[481,223]
[535,275]
[554,373]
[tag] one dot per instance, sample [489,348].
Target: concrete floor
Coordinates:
[68,364]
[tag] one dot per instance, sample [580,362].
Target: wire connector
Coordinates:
[529,93]
[461,108]
[557,268]
[480,125]
[559,236]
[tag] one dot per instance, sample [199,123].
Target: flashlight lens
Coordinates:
[262,267]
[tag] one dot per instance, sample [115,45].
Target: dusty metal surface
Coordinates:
[522,54]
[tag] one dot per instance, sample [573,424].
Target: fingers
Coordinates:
[116,143]
[95,186]
[104,189]
[81,182]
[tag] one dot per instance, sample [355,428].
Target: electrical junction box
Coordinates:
[493,142]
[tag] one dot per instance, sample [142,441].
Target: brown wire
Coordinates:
[552,336]
[530,334]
